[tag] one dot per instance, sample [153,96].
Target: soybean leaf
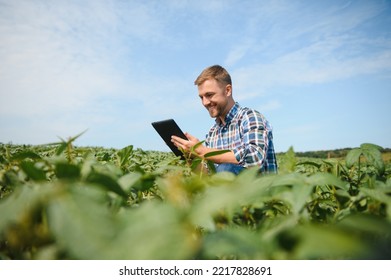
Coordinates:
[129,180]
[211,166]
[240,242]
[65,170]
[32,171]
[377,194]
[373,155]
[288,162]
[124,155]
[195,163]
[321,179]
[370,146]
[22,155]
[107,182]
[196,146]
[146,182]
[81,224]
[352,157]
[61,148]
[322,242]
[21,203]
[152,231]
[215,153]
[317,165]
[300,194]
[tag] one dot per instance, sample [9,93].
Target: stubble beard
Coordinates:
[214,111]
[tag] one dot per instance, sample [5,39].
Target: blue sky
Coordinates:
[320,71]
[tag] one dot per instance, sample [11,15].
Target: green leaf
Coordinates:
[239,242]
[317,165]
[374,156]
[289,179]
[352,157]
[21,202]
[129,180]
[301,195]
[65,170]
[215,153]
[64,144]
[196,146]
[211,166]
[371,146]
[153,231]
[288,162]
[72,139]
[32,171]
[227,195]
[107,182]
[322,242]
[322,179]
[86,230]
[377,194]
[81,224]
[146,182]
[124,155]
[22,155]
[195,163]
[61,148]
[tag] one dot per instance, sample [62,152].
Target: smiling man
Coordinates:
[244,132]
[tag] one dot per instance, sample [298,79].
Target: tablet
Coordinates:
[166,129]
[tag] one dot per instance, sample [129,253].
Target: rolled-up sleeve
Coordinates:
[251,149]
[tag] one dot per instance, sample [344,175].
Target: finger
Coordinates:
[191,137]
[179,142]
[176,139]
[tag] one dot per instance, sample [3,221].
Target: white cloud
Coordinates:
[282,38]
[238,52]
[300,68]
[69,57]
[69,66]
[270,105]
[316,48]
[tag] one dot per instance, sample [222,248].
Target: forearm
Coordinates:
[201,150]
[228,157]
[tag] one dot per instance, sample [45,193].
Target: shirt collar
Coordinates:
[231,114]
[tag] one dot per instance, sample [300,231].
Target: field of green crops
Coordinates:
[59,201]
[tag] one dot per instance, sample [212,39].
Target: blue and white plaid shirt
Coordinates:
[249,135]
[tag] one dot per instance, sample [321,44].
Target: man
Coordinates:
[243,131]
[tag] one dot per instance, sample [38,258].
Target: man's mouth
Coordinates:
[211,107]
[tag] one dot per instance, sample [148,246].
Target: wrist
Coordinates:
[201,150]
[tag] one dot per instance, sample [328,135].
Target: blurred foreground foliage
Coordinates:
[64,202]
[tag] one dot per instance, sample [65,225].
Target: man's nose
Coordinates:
[205,101]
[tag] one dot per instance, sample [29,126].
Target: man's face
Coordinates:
[215,97]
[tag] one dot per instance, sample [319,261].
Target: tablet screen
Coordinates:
[166,129]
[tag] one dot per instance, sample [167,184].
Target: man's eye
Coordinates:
[207,96]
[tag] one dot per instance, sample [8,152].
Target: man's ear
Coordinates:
[228,90]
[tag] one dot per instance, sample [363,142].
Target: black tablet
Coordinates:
[166,129]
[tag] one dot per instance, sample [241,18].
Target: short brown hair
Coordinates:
[214,72]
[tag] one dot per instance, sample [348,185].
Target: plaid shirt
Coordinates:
[249,135]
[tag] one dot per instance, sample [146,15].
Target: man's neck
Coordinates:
[229,106]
